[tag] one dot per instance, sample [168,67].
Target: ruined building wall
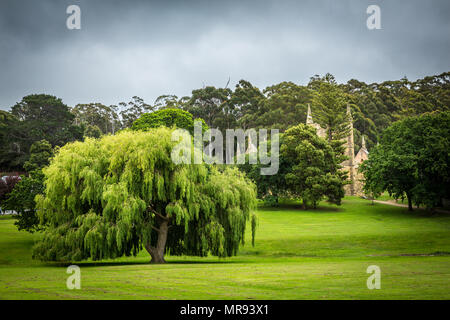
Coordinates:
[355,188]
[349,165]
[363,154]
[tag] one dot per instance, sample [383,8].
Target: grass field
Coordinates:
[315,254]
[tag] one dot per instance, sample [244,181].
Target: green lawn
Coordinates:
[315,254]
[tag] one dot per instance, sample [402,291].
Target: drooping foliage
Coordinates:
[113,196]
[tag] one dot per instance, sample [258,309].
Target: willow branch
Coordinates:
[157,213]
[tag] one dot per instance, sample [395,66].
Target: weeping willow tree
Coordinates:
[110,197]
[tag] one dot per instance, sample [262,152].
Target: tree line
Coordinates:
[113,192]
[374,107]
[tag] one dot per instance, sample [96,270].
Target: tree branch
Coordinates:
[161,216]
[157,213]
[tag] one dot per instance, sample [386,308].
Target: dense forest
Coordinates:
[374,107]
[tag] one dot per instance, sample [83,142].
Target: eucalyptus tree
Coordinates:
[247,99]
[97,115]
[132,110]
[170,101]
[212,105]
[285,105]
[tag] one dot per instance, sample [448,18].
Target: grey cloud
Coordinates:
[149,48]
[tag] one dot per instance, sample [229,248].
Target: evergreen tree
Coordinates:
[212,105]
[269,187]
[334,114]
[132,110]
[413,160]
[285,106]
[46,117]
[22,200]
[22,197]
[246,100]
[313,174]
[12,152]
[330,111]
[92,131]
[97,115]
[40,154]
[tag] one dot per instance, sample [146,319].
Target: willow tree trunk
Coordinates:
[157,252]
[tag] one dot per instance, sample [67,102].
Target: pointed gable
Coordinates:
[363,153]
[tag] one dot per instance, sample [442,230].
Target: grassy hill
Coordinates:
[314,254]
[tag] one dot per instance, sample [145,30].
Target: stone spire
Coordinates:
[363,143]
[349,113]
[350,153]
[321,132]
[350,142]
[309,119]
[251,146]
[238,150]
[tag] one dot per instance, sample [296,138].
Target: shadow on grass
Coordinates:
[298,207]
[219,261]
[142,262]
[393,210]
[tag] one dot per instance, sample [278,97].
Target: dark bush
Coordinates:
[7,184]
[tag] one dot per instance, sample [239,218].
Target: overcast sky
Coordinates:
[150,48]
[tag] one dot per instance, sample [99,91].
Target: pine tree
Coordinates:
[330,106]
[334,114]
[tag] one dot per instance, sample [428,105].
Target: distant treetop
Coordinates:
[168,118]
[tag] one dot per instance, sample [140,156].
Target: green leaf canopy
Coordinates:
[109,197]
